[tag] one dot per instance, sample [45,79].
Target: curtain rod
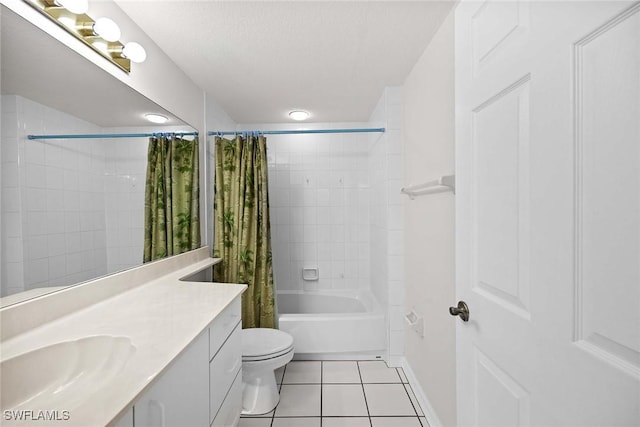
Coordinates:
[291,132]
[112,135]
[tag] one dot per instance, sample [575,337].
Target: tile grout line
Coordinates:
[411,401]
[402,377]
[398,374]
[364,394]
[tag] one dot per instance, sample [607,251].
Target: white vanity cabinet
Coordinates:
[225,367]
[203,386]
[179,398]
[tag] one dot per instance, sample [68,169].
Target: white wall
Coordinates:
[429,237]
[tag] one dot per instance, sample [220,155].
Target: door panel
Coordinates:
[500,399]
[548,212]
[608,191]
[500,166]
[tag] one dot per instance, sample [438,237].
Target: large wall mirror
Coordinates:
[72,209]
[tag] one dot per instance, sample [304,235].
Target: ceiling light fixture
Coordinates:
[156,118]
[299,115]
[102,34]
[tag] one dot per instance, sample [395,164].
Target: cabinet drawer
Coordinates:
[229,413]
[222,326]
[223,370]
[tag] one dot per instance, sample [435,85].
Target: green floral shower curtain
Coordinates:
[172,201]
[242,231]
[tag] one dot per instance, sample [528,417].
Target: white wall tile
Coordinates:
[36,272]
[396,343]
[396,317]
[396,267]
[14,249]
[15,275]
[10,175]
[324,202]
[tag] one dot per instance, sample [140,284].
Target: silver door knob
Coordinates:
[461,310]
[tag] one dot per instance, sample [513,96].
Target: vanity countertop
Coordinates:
[161,318]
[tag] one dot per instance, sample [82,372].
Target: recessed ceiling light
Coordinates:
[299,115]
[156,118]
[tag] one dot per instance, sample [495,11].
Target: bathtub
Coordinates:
[333,325]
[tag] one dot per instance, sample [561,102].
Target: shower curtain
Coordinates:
[172,197]
[242,230]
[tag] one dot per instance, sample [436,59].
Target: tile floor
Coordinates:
[341,394]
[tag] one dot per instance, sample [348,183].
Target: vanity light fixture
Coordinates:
[135,52]
[156,118]
[102,34]
[299,115]
[74,6]
[107,29]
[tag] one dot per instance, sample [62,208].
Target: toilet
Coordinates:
[263,351]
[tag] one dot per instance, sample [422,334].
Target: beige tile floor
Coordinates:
[341,394]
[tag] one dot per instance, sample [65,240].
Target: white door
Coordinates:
[548,212]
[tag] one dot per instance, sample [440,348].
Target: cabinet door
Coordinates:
[224,368]
[126,420]
[229,413]
[180,397]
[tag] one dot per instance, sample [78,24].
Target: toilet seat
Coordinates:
[263,343]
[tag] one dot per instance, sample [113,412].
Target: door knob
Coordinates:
[461,310]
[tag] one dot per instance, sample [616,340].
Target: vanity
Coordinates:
[151,345]
[137,348]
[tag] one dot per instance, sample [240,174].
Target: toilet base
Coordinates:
[263,351]
[260,393]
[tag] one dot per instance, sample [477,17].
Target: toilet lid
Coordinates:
[265,342]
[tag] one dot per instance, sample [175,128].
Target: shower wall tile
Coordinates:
[385,169]
[396,343]
[125,165]
[318,200]
[67,198]
[59,185]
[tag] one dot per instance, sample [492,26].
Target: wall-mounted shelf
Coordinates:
[440,185]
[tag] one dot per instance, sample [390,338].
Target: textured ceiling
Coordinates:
[261,59]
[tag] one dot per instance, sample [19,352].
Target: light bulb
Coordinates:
[299,115]
[107,29]
[135,52]
[75,6]
[156,118]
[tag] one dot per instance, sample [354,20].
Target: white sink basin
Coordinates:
[62,375]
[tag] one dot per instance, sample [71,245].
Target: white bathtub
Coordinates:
[336,325]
